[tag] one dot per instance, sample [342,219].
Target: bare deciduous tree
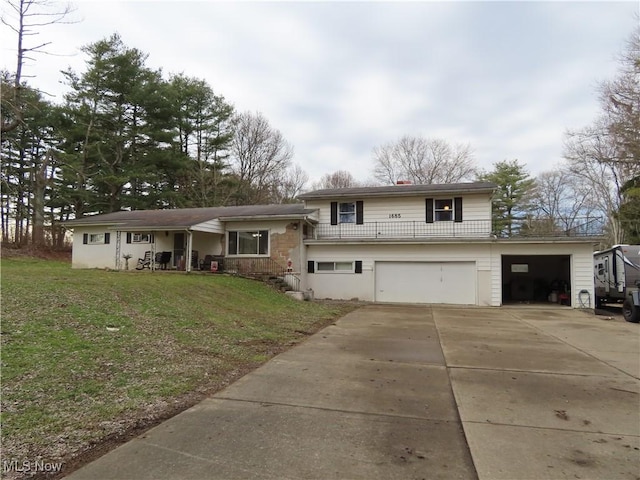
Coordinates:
[288,187]
[562,196]
[25,18]
[606,154]
[260,156]
[424,161]
[337,179]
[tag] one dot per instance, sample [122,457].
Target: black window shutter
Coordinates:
[128,237]
[107,238]
[311,266]
[152,238]
[359,212]
[457,209]
[334,213]
[429,206]
[358,266]
[85,238]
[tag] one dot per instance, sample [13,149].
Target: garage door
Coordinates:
[426,282]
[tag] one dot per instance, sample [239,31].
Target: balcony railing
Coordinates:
[467,229]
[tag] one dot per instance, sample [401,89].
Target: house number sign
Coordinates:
[395,215]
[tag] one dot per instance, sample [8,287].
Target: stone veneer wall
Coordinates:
[285,246]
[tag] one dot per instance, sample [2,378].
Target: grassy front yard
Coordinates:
[88,355]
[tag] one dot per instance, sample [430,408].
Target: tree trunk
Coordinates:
[38,199]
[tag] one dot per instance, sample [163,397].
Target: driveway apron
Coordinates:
[368,397]
[550,394]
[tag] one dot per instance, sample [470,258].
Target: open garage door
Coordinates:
[536,279]
[426,282]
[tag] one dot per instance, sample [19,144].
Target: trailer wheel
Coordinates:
[630,311]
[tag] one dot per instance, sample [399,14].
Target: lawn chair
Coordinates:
[194,259]
[144,262]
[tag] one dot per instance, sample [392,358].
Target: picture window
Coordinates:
[248,242]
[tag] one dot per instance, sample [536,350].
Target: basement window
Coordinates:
[335,267]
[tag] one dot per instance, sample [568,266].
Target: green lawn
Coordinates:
[88,354]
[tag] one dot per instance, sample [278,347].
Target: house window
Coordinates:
[96,238]
[444,210]
[249,242]
[335,267]
[347,212]
[141,238]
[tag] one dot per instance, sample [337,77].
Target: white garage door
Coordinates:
[426,282]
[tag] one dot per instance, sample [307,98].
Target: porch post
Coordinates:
[189,249]
[118,249]
[152,267]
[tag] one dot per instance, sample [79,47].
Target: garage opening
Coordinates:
[536,279]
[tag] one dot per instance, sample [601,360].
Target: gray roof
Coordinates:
[188,217]
[400,190]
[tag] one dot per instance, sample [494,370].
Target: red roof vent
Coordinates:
[403,182]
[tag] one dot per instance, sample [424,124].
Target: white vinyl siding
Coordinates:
[474,207]
[339,286]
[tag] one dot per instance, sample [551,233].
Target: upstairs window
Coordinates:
[248,242]
[444,210]
[347,212]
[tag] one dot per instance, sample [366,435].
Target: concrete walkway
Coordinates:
[541,394]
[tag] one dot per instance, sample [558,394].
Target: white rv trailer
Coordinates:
[617,279]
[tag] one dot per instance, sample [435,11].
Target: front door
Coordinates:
[178,250]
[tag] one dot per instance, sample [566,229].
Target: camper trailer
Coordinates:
[617,279]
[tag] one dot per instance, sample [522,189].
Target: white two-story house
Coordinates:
[401,243]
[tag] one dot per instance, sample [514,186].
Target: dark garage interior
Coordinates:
[536,279]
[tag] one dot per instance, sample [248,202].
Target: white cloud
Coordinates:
[341,78]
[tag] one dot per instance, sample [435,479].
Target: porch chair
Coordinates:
[163,259]
[206,263]
[194,259]
[144,262]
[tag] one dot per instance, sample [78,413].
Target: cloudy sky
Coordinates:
[339,78]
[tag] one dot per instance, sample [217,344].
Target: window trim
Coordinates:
[253,232]
[351,213]
[439,211]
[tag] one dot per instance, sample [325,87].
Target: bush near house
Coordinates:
[90,355]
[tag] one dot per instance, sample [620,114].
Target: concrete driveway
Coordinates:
[408,392]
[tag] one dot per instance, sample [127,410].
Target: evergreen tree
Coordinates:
[512,200]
